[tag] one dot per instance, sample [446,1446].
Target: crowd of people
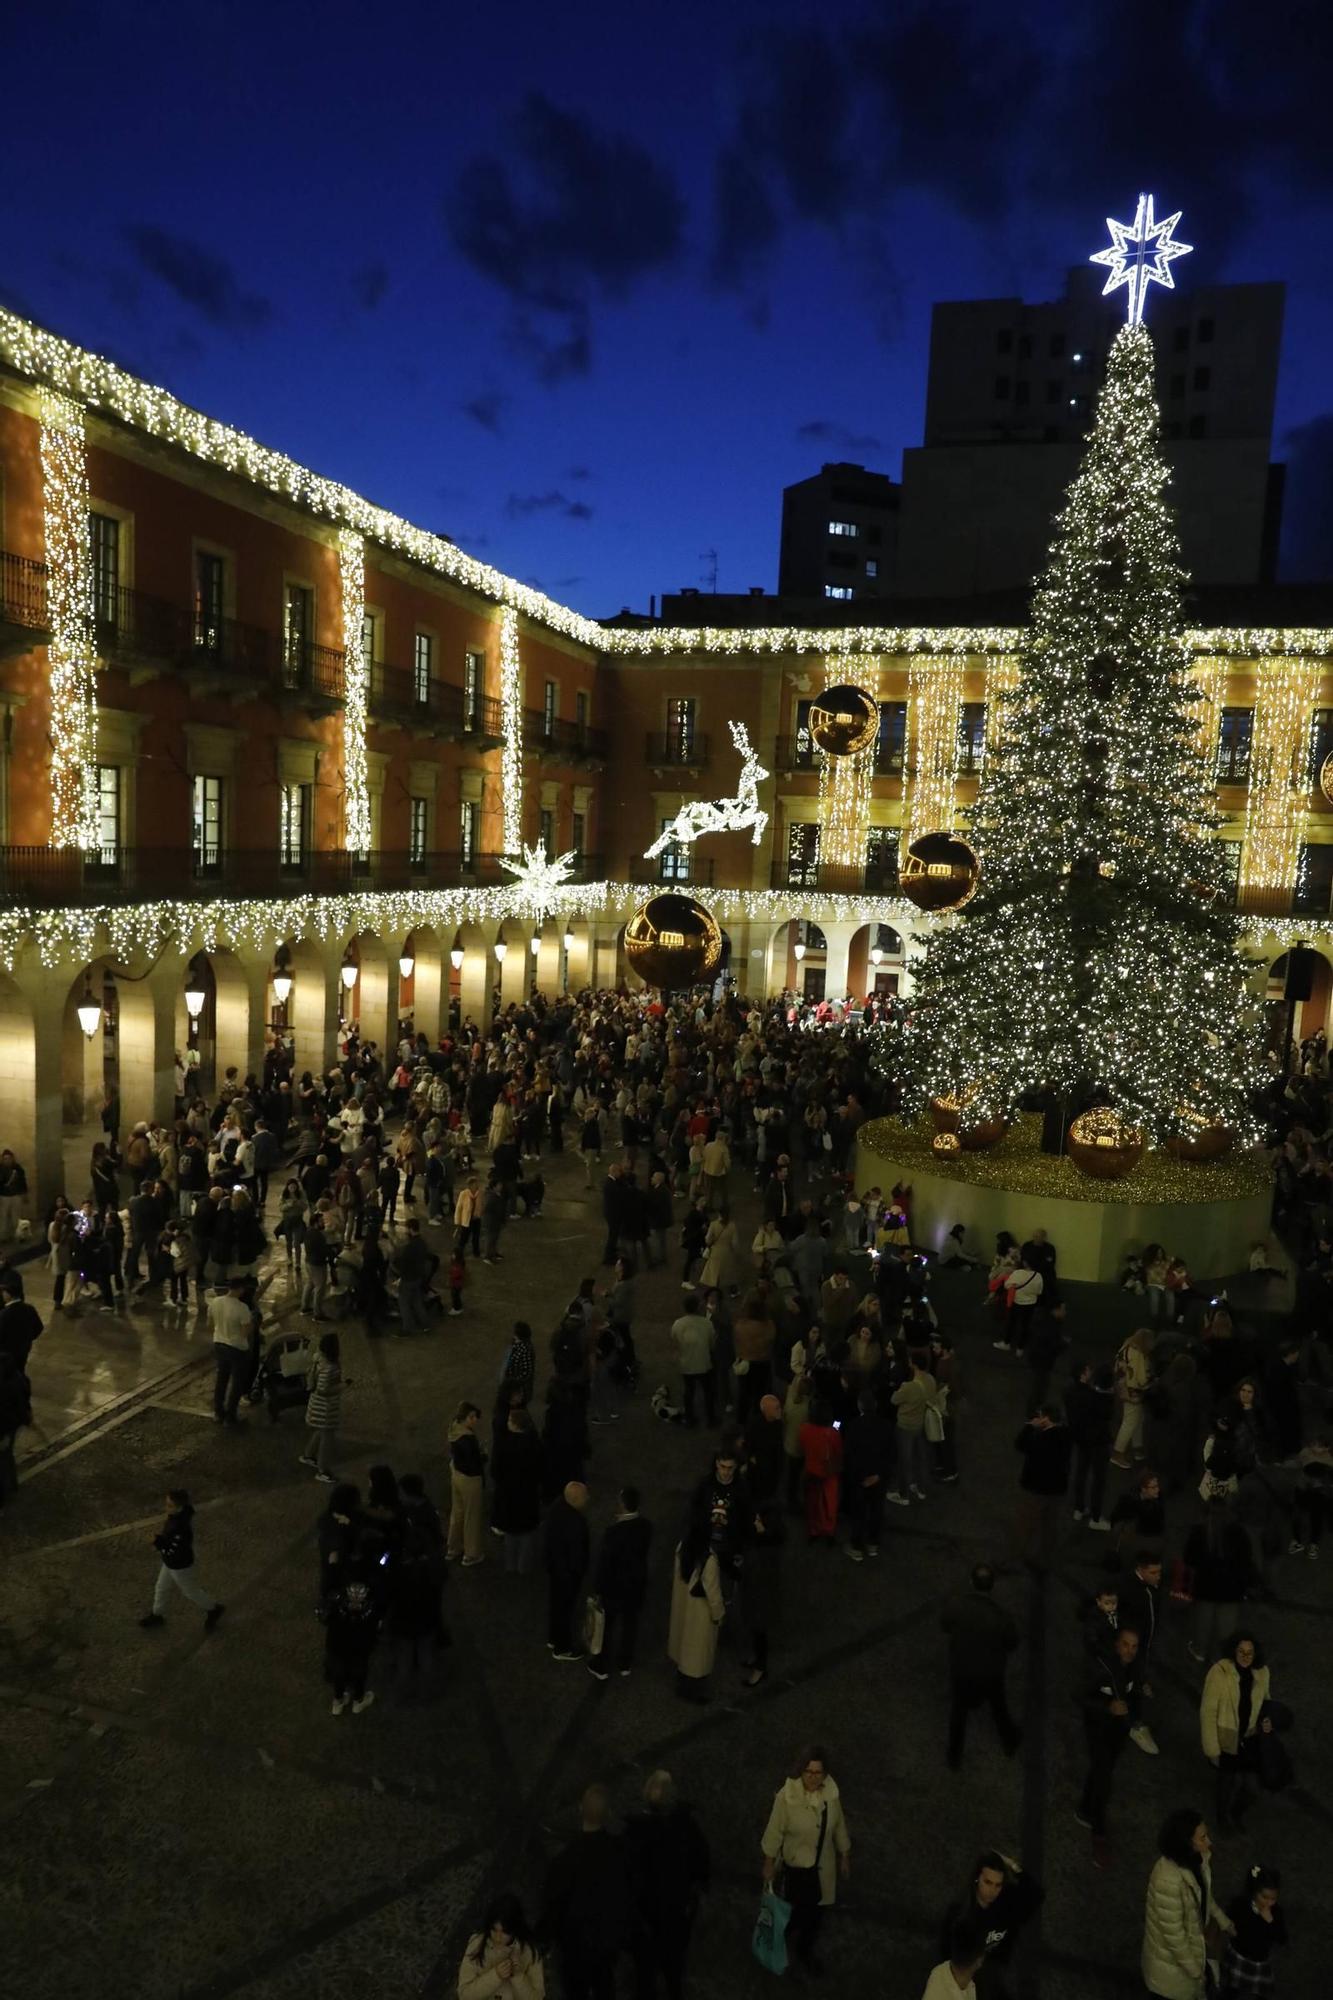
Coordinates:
[809,1341]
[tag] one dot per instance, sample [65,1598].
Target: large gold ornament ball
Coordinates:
[980,1137]
[844,720]
[1326,778]
[1205,1139]
[945,1143]
[1102,1145]
[673,941]
[940,872]
[944,1114]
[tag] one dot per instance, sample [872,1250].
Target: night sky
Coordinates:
[583,286]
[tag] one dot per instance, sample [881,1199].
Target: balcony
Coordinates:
[134,629]
[23,617]
[225,653]
[677,752]
[564,742]
[436,707]
[678,869]
[829,878]
[802,753]
[312,677]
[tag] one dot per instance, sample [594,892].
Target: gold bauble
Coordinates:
[944,1114]
[1326,777]
[844,720]
[1206,1139]
[940,872]
[1102,1145]
[673,941]
[945,1143]
[987,1132]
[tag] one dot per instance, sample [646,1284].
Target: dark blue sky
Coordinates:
[584,286]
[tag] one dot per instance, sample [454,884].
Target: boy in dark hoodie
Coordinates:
[175,1544]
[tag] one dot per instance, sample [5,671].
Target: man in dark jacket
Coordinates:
[620,1579]
[1110,1710]
[998,1901]
[586,1902]
[1141,1607]
[1089,1409]
[1045,1444]
[765,1459]
[568,1544]
[21,1324]
[669,1867]
[982,1634]
[147,1213]
[868,1454]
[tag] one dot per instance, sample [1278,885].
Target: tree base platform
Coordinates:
[1209,1213]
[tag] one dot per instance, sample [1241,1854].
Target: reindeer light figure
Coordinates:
[720,815]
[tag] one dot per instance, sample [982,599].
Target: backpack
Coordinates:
[936,1411]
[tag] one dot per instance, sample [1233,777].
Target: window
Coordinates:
[838,590]
[1004,340]
[1203,378]
[673,863]
[1055,346]
[1321,743]
[546,829]
[109,790]
[471,689]
[297,627]
[1002,388]
[803,854]
[369,649]
[1314,880]
[423,666]
[581,711]
[892,736]
[882,857]
[578,832]
[843,528]
[550,703]
[293,821]
[1025,346]
[1198,425]
[418,824]
[971,738]
[207,827]
[805,742]
[680,722]
[104,550]
[1234,733]
[872,567]
[210,587]
[1204,330]
[469,818]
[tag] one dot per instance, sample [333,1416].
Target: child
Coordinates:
[457,1279]
[1261,1262]
[175,1544]
[350,1631]
[1141,1515]
[182,1262]
[1259,1925]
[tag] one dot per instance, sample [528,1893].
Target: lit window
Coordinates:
[108,814]
[207,824]
[837,590]
[843,528]
[418,813]
[293,804]
[423,663]
[872,567]
[550,701]
[471,688]
[468,827]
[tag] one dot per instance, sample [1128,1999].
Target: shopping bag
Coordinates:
[594,1626]
[770,1932]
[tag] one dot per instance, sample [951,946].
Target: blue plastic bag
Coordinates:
[770,1932]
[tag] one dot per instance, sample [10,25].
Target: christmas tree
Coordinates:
[1097,960]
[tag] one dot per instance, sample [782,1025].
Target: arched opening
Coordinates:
[875,962]
[301,1020]
[18,1106]
[576,945]
[118,1061]
[1296,998]
[474,977]
[514,967]
[421,991]
[364,994]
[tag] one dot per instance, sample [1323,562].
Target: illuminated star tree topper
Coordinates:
[1141,254]
[540,880]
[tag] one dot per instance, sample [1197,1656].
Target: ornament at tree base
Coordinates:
[1326,778]
[985,1133]
[1104,1145]
[673,941]
[944,1113]
[844,720]
[953,1118]
[1205,1138]
[940,872]
[945,1143]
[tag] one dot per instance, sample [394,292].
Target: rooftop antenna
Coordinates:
[708,575]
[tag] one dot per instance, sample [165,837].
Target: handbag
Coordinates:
[769,1943]
[594,1626]
[828,1142]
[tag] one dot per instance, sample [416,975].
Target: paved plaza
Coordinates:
[185,1820]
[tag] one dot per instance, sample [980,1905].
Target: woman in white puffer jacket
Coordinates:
[1179,1908]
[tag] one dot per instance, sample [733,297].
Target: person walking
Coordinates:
[982,1635]
[697,1610]
[568,1545]
[821,1447]
[467,1464]
[761,1592]
[1231,1722]
[1023,1288]
[868,1458]
[669,1870]
[754,1335]
[692,1337]
[1258,1928]
[620,1583]
[998,1900]
[1045,1445]
[807,1839]
[516,1489]
[1140,1605]
[1110,1711]
[1133,1366]
[911,1401]
[323,1408]
[351,1627]
[586,1902]
[174,1542]
[1180,1909]
[1218,1552]
[502,1961]
[230,1323]
[1089,1409]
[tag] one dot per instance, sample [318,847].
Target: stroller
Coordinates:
[280,1379]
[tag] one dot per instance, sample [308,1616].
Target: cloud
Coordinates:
[199,278]
[566,214]
[823,431]
[519,505]
[486,410]
[369,285]
[578,472]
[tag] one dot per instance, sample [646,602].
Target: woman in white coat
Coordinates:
[1179,1908]
[807,1838]
[696,1612]
[1231,1719]
[501,1961]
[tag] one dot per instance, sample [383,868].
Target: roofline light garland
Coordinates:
[72,654]
[356,682]
[511,722]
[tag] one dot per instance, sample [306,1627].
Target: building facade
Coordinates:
[265,744]
[839,535]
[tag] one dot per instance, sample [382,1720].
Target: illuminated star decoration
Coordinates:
[720,815]
[539,879]
[1141,254]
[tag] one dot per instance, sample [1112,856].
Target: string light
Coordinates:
[538,880]
[352,570]
[935,697]
[511,723]
[846,784]
[1129,261]
[720,815]
[72,653]
[1279,777]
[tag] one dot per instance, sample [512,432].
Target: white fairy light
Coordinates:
[352,570]
[935,715]
[846,784]
[511,723]
[1275,802]
[732,815]
[1129,260]
[72,653]
[538,882]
